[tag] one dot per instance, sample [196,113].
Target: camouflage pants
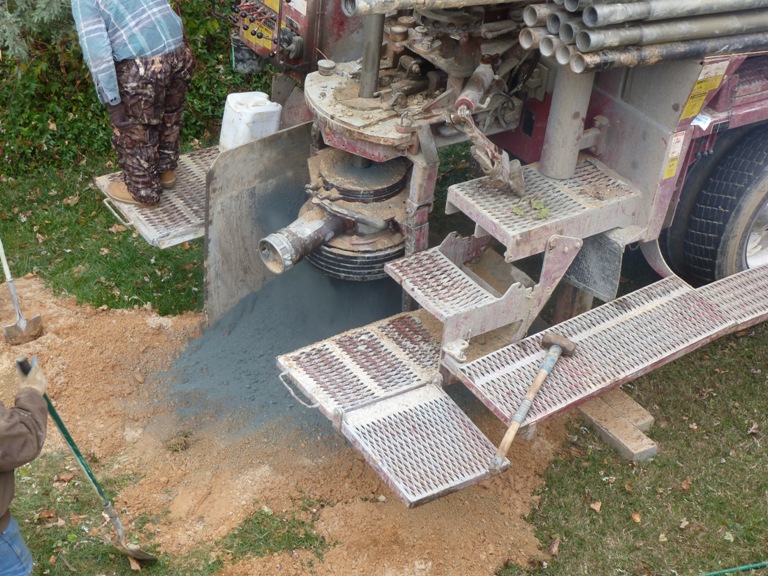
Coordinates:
[153,92]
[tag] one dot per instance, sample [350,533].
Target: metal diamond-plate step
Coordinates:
[743,296]
[437,284]
[594,200]
[421,444]
[617,342]
[374,383]
[181,214]
[364,365]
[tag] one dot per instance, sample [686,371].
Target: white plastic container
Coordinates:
[248,116]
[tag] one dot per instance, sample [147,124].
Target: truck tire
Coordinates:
[672,238]
[728,227]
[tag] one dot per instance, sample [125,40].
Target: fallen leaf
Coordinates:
[103,251]
[46,514]
[662,537]
[684,524]
[63,477]
[135,566]
[686,485]
[52,560]
[728,536]
[596,506]
[637,518]
[40,238]
[52,126]
[117,228]
[71,200]
[554,547]
[753,428]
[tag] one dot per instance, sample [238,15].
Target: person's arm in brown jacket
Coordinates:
[22,434]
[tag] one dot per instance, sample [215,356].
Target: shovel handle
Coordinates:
[25,368]
[6,270]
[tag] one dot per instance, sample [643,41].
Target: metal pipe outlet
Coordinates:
[645,55]
[364,7]
[282,249]
[617,13]
[589,40]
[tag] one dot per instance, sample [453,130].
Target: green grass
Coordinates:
[55,225]
[62,525]
[700,505]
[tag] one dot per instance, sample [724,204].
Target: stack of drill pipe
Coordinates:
[592,35]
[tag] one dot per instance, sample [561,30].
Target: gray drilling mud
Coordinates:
[230,370]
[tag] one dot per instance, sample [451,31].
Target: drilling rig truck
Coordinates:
[596,125]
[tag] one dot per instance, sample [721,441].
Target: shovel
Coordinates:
[23,330]
[126,548]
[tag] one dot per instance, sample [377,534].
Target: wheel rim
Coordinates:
[757,241]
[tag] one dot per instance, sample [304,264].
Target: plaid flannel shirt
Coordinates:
[115,30]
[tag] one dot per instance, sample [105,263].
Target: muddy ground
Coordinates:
[132,385]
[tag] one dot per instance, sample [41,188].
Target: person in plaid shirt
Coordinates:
[141,66]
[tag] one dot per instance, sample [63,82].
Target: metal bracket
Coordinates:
[493,160]
[456,349]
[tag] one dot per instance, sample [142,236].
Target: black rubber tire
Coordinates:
[718,227]
[672,239]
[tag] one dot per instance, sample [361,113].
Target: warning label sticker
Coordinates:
[675,150]
[710,78]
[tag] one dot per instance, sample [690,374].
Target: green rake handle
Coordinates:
[25,367]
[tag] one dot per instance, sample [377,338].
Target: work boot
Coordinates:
[118,192]
[168,179]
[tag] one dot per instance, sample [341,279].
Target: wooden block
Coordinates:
[625,406]
[618,432]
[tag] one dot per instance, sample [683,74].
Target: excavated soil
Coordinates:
[114,377]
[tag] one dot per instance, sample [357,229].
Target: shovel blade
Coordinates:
[23,330]
[134,551]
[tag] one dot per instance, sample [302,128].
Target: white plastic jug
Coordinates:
[248,116]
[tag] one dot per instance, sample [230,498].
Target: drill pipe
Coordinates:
[617,13]
[569,30]
[549,45]
[364,7]
[535,15]
[673,31]
[646,55]
[530,37]
[557,19]
[576,5]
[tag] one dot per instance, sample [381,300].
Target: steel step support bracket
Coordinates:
[435,279]
[618,342]
[376,384]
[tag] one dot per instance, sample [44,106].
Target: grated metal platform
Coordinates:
[617,342]
[594,200]
[181,214]
[436,283]
[375,384]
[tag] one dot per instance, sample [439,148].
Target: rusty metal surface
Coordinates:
[593,201]
[421,444]
[617,342]
[364,365]
[181,214]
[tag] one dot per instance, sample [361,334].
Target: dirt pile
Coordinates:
[166,401]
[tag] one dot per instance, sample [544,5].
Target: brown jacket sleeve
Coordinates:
[22,429]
